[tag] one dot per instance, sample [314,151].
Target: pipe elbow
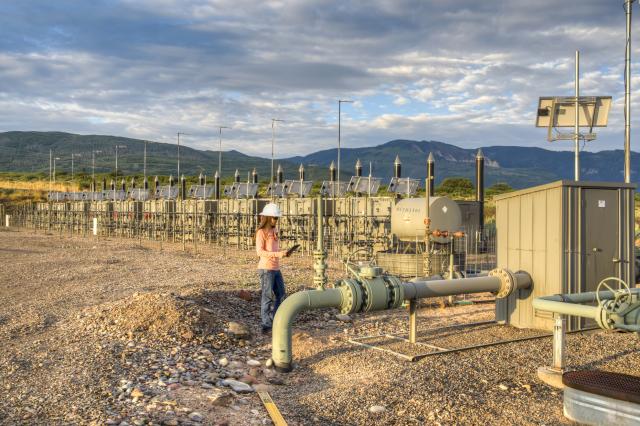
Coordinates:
[281,351]
[290,308]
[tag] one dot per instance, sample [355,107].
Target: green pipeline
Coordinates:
[372,291]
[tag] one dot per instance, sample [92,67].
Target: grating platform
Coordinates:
[613,385]
[600,397]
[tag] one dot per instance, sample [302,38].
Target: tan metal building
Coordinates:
[569,235]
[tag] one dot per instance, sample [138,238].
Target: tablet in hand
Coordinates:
[292,249]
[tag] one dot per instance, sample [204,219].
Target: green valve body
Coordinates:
[370,292]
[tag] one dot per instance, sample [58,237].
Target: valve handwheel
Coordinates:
[622,295]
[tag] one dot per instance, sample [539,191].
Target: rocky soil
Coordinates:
[97,331]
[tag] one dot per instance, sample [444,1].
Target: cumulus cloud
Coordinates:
[464,72]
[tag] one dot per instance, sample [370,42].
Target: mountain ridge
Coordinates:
[518,166]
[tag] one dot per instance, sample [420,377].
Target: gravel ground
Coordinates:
[111,332]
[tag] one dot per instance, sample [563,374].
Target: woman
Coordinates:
[268,249]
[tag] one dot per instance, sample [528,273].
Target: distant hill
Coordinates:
[29,152]
[517,166]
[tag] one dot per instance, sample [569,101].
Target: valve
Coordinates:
[370,291]
[620,296]
[612,313]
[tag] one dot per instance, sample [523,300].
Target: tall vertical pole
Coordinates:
[339,137]
[116,178]
[273,137]
[480,187]
[178,175]
[144,167]
[50,168]
[71,165]
[340,102]
[273,142]
[220,150]
[576,128]
[627,97]
[93,170]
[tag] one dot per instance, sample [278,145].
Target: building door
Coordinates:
[601,224]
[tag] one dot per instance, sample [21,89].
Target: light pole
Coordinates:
[220,150]
[50,168]
[144,166]
[54,169]
[627,95]
[340,102]
[72,157]
[273,138]
[93,168]
[183,134]
[121,147]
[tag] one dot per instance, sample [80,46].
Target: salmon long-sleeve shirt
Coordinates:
[268,249]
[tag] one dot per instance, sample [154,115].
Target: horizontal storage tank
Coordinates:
[407,218]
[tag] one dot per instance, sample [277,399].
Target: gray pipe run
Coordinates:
[609,314]
[375,292]
[440,288]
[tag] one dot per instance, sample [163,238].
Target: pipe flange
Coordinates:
[603,317]
[351,296]
[396,291]
[507,281]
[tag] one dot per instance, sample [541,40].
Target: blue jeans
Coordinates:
[273,293]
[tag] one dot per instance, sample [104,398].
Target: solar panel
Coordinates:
[247,190]
[278,190]
[167,192]
[364,185]
[74,196]
[95,196]
[118,195]
[406,186]
[57,196]
[139,194]
[230,190]
[201,191]
[298,187]
[333,189]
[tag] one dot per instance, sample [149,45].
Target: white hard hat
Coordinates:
[271,210]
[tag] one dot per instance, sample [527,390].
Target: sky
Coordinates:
[463,72]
